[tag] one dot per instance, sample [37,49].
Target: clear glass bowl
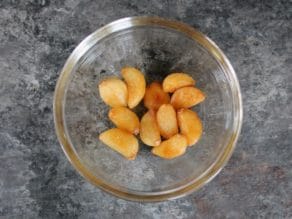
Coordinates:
[157,47]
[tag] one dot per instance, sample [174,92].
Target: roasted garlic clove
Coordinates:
[175,81]
[155,96]
[125,119]
[113,92]
[149,131]
[166,120]
[171,148]
[121,141]
[136,85]
[190,125]
[187,97]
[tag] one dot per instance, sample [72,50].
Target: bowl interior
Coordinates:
[156,51]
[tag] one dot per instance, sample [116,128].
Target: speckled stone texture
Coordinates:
[37,181]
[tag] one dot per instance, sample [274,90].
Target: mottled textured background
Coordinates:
[37,181]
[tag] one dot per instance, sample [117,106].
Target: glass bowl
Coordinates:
[157,47]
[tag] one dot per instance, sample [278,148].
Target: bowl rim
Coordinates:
[122,24]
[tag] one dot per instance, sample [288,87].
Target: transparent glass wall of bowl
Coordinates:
[157,53]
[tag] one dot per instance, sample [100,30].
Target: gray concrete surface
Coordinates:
[37,181]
